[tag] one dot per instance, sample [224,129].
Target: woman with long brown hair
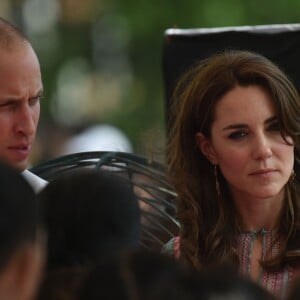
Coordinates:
[233,157]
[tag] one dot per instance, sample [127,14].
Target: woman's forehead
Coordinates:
[244,104]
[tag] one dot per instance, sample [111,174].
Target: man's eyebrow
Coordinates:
[11,99]
[39,93]
[243,126]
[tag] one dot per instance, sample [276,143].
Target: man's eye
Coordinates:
[237,135]
[34,100]
[8,105]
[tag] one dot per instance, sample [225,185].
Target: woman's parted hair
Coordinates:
[208,222]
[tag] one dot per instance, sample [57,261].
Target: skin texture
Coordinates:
[255,160]
[20,92]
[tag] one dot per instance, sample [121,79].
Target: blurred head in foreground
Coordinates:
[22,240]
[88,214]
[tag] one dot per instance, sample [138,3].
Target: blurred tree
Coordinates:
[120,43]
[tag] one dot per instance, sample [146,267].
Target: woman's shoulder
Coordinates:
[172,247]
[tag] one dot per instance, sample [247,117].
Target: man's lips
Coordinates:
[20,151]
[20,147]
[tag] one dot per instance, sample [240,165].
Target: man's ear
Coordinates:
[206,147]
[31,265]
[22,274]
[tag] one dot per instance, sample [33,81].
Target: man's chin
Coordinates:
[18,165]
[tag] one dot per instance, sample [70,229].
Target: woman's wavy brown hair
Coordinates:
[210,223]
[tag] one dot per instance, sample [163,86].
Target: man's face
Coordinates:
[20,91]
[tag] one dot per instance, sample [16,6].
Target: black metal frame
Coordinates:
[148,178]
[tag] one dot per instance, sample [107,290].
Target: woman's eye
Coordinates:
[237,135]
[274,126]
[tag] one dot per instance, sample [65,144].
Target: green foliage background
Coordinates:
[142,114]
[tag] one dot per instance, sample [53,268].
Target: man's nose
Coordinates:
[25,122]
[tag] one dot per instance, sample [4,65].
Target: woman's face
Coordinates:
[247,146]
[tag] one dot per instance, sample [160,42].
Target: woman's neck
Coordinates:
[257,214]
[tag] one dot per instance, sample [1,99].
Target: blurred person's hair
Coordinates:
[294,292]
[141,275]
[22,238]
[62,284]
[88,213]
[225,283]
[19,219]
[132,276]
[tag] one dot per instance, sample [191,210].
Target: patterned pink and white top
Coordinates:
[275,282]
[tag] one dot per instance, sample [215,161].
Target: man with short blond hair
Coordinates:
[21,88]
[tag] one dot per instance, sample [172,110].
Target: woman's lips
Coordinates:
[263,172]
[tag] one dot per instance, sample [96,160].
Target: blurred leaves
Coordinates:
[122,43]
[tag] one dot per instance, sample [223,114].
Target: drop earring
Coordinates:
[217,181]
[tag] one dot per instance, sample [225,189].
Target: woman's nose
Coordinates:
[262,148]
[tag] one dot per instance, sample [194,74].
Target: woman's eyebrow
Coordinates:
[235,126]
[271,119]
[243,126]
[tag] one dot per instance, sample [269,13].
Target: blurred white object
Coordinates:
[36,182]
[98,138]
